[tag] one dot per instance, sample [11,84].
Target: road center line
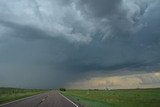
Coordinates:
[41,101]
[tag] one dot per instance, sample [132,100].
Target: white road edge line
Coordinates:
[19,100]
[68,99]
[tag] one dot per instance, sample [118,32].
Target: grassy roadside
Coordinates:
[88,102]
[116,98]
[11,94]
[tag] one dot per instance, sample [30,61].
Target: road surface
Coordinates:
[50,99]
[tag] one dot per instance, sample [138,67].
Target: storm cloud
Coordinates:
[48,44]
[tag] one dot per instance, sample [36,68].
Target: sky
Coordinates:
[80,43]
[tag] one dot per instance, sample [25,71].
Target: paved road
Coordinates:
[50,99]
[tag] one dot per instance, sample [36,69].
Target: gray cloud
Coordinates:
[101,8]
[62,40]
[24,31]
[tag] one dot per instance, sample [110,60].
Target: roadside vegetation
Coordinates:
[116,98]
[11,94]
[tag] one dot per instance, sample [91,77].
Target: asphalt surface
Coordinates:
[50,99]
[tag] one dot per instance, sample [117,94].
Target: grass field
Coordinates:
[116,98]
[11,94]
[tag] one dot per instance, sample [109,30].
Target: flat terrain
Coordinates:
[116,98]
[87,98]
[11,94]
[49,99]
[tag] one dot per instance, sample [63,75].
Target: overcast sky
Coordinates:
[76,43]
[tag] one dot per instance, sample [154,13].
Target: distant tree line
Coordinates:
[62,89]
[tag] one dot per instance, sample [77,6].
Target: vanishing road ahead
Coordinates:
[50,99]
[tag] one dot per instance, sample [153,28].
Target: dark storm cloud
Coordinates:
[54,42]
[25,31]
[113,16]
[101,8]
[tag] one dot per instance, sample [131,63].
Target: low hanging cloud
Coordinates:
[144,80]
[76,38]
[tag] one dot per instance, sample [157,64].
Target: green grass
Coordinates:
[11,94]
[116,98]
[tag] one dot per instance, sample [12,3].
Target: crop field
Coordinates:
[11,94]
[116,98]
